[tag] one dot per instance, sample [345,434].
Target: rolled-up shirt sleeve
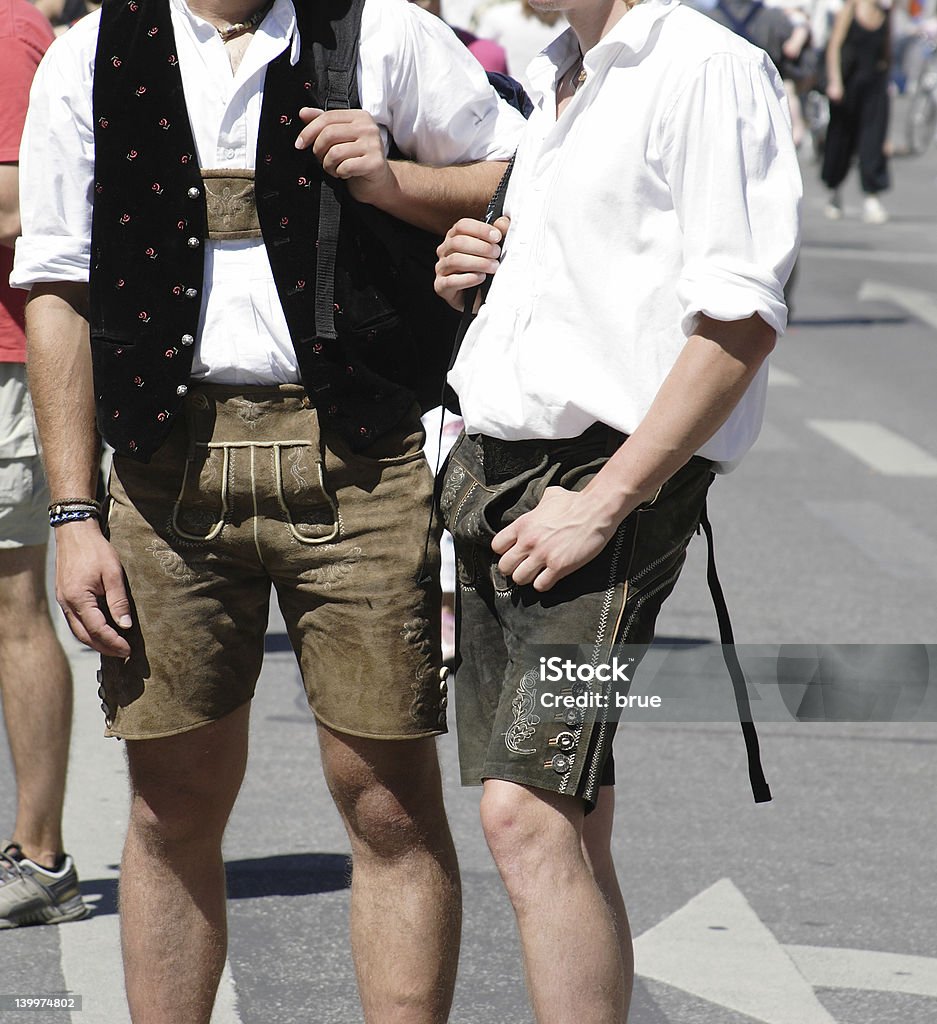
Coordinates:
[730,161]
[440,106]
[57,167]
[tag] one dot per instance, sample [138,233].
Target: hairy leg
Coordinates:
[36,686]
[571,949]
[596,846]
[405,901]
[172,887]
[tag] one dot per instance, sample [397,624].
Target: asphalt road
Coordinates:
[814,909]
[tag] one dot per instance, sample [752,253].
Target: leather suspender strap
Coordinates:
[494,211]
[756,774]
[330,219]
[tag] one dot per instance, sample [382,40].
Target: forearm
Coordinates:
[59,361]
[705,384]
[434,198]
[834,48]
[9,205]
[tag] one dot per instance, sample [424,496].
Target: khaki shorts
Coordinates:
[246,494]
[24,493]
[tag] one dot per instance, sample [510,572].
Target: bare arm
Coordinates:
[348,143]
[568,529]
[9,204]
[88,571]
[834,49]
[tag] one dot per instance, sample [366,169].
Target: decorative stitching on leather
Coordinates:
[525,719]
[599,637]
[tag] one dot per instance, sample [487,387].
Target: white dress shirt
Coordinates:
[667,188]
[414,76]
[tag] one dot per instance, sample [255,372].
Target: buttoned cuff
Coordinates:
[50,258]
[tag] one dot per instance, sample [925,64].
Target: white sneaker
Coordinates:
[873,212]
[32,894]
[834,207]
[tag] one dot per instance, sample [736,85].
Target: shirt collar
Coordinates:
[631,33]
[279,24]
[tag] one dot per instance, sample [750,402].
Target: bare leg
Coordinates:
[405,896]
[596,846]
[571,949]
[36,685]
[172,888]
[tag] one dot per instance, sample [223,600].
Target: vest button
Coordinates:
[193,193]
[181,390]
[187,339]
[190,293]
[192,243]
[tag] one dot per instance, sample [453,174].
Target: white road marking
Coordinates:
[781,378]
[95,823]
[716,948]
[866,969]
[832,252]
[922,305]
[878,447]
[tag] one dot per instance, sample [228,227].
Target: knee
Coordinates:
[380,823]
[390,798]
[167,810]
[162,818]
[530,840]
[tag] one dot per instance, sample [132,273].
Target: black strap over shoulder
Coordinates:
[494,211]
[756,775]
[339,66]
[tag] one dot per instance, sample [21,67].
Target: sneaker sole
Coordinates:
[71,910]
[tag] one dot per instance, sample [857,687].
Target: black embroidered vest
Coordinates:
[149,227]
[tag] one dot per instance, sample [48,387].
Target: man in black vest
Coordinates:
[259,394]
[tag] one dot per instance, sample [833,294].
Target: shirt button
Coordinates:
[193,193]
[181,390]
[192,243]
[190,293]
[229,154]
[187,339]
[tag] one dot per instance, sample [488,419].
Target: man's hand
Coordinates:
[87,572]
[565,531]
[467,254]
[349,146]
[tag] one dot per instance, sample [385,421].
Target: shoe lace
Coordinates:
[10,869]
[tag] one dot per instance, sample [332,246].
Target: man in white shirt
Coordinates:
[278,448]
[617,362]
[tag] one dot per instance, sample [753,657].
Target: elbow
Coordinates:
[763,338]
[10,228]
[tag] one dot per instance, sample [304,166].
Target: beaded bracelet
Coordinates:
[72,515]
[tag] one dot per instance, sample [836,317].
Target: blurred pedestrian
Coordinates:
[523,30]
[38,882]
[487,52]
[858,58]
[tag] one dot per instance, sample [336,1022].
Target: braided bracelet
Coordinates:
[72,515]
[62,503]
